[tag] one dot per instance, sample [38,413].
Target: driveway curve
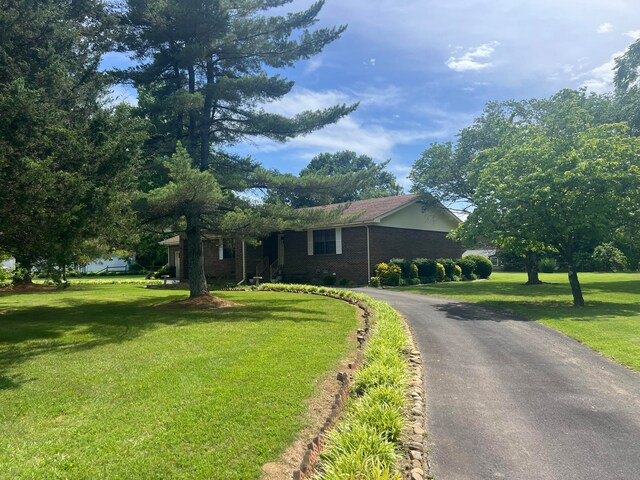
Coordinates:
[509,398]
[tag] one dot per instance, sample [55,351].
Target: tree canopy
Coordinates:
[66,161]
[557,181]
[354,177]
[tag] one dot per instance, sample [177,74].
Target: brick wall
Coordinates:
[387,243]
[350,265]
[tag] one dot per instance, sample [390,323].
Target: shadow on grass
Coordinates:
[30,331]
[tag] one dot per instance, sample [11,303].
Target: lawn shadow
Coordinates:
[31,331]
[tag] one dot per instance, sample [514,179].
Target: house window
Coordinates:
[226,249]
[324,241]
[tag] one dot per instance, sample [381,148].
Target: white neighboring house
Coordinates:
[9,264]
[491,254]
[113,265]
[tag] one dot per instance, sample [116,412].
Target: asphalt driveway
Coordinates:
[512,399]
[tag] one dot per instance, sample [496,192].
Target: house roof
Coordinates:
[372,208]
[169,242]
[485,253]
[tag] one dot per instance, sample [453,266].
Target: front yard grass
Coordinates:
[101,381]
[609,323]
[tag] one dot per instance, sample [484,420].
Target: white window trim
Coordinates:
[221,250]
[338,240]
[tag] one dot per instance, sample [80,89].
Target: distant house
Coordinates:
[382,228]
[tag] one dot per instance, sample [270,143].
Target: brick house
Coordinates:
[380,229]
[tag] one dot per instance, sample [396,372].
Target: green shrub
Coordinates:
[389,274]
[344,282]
[440,273]
[483,267]
[329,280]
[449,267]
[426,267]
[404,265]
[414,271]
[467,266]
[425,280]
[607,258]
[374,282]
[548,265]
[414,281]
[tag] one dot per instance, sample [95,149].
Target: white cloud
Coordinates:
[313,65]
[350,134]
[633,34]
[604,28]
[600,79]
[474,58]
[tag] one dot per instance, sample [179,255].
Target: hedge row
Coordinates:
[399,271]
[365,442]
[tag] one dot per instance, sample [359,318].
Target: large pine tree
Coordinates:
[204,76]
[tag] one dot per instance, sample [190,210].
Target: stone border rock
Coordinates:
[417,465]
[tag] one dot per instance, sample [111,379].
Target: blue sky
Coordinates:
[422,70]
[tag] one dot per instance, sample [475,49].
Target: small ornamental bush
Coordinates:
[414,271]
[548,265]
[483,266]
[457,272]
[440,273]
[388,273]
[425,280]
[344,282]
[414,281]
[426,267]
[467,265]
[374,282]
[404,265]
[449,267]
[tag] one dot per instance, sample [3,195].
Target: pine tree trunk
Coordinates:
[193,122]
[205,145]
[576,290]
[195,259]
[531,264]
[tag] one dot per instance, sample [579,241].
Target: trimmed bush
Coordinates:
[449,267]
[440,273]
[388,273]
[405,266]
[414,281]
[483,268]
[425,280]
[426,267]
[467,266]
[548,265]
[374,282]
[329,280]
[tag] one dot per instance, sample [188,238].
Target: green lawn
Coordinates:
[609,323]
[100,381]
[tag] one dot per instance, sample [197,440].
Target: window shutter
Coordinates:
[309,242]
[338,241]
[221,250]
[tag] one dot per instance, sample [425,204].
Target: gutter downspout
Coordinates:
[368,257]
